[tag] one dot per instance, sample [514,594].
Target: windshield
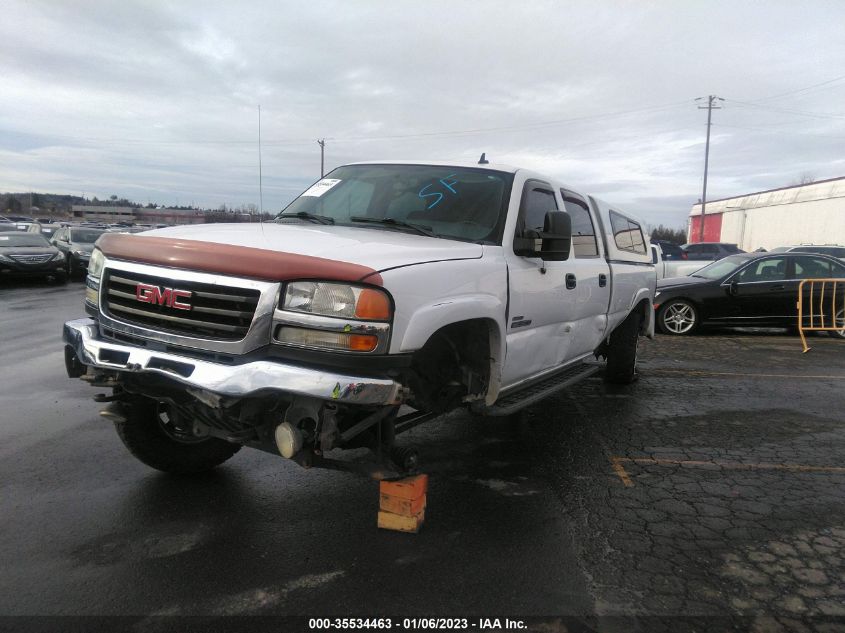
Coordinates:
[723,267]
[453,202]
[22,239]
[85,236]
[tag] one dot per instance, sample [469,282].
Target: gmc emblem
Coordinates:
[170,297]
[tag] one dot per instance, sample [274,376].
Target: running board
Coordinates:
[536,391]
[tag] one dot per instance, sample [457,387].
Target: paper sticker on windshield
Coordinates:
[321,187]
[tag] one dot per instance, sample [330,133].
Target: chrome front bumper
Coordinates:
[239,381]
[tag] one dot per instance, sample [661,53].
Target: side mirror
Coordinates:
[557,236]
[552,244]
[733,288]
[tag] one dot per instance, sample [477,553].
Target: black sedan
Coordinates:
[30,255]
[750,290]
[76,243]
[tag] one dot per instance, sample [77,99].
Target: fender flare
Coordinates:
[645,294]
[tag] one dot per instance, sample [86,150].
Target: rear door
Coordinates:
[591,273]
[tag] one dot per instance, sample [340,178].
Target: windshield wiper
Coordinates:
[419,228]
[302,215]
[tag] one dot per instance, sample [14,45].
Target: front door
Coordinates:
[764,293]
[541,308]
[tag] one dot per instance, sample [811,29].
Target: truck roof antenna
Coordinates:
[483,160]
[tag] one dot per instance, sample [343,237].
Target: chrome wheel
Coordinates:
[678,317]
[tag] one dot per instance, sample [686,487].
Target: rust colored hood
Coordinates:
[285,251]
[229,259]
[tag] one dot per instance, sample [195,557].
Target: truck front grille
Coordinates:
[181,307]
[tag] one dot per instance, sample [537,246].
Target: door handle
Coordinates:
[776,288]
[602,280]
[571,281]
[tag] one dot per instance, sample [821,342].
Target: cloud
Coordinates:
[160,100]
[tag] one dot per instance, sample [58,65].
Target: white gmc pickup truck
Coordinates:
[385,286]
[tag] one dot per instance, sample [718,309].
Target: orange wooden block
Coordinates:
[404,507]
[390,521]
[407,488]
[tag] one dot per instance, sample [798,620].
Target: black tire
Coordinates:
[622,351]
[144,434]
[60,278]
[678,317]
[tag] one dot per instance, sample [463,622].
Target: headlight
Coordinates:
[95,264]
[3,258]
[656,294]
[335,300]
[59,256]
[81,253]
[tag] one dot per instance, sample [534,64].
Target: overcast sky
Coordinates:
[157,101]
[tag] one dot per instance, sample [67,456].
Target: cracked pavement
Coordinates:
[730,499]
[713,489]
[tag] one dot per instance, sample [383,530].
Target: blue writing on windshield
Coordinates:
[437,195]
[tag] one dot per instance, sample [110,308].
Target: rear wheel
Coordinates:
[622,351]
[677,316]
[156,440]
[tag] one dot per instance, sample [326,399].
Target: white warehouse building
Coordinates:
[802,214]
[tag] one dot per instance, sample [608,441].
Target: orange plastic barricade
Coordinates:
[821,307]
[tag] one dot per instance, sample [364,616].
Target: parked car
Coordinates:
[753,289]
[710,250]
[30,255]
[47,230]
[834,250]
[671,251]
[76,243]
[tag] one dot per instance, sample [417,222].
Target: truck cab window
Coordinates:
[537,200]
[583,233]
[627,234]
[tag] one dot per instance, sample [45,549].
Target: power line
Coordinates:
[470,131]
[800,90]
[814,115]
[777,130]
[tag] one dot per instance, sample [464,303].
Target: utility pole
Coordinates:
[260,183]
[322,144]
[711,100]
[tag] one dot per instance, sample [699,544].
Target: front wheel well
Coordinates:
[453,366]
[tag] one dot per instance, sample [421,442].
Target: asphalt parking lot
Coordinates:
[714,487]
